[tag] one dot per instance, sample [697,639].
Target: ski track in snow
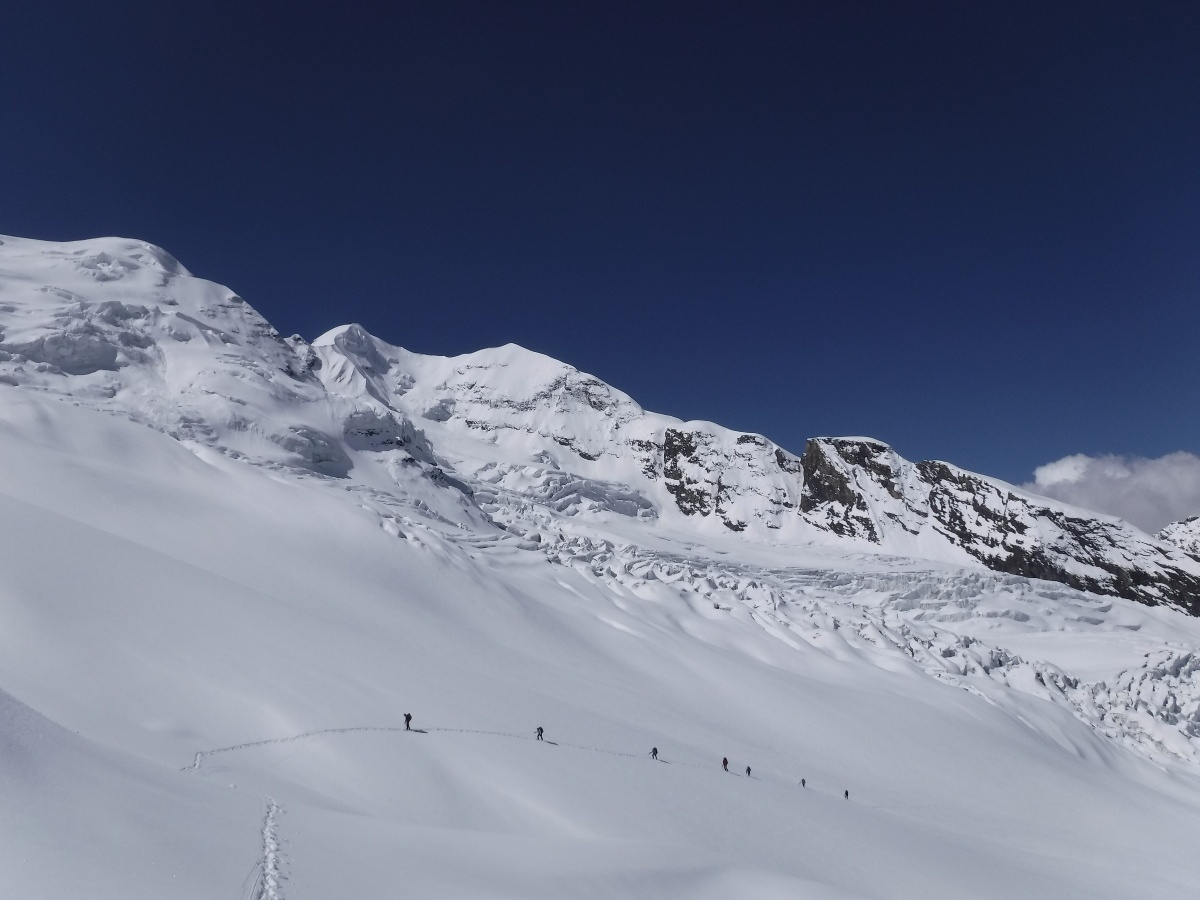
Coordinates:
[269,870]
[759,775]
[321,732]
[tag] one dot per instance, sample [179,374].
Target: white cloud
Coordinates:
[1149,493]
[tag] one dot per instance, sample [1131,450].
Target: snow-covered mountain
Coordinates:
[245,556]
[1185,535]
[570,438]
[120,325]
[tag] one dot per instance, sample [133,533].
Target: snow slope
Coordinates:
[231,562]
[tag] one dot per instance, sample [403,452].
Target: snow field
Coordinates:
[158,657]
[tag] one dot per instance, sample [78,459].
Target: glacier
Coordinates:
[233,560]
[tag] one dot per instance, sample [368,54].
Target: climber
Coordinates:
[654,753]
[847,795]
[747,771]
[408,721]
[803,783]
[539,733]
[725,763]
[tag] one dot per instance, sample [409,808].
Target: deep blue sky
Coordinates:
[970,229]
